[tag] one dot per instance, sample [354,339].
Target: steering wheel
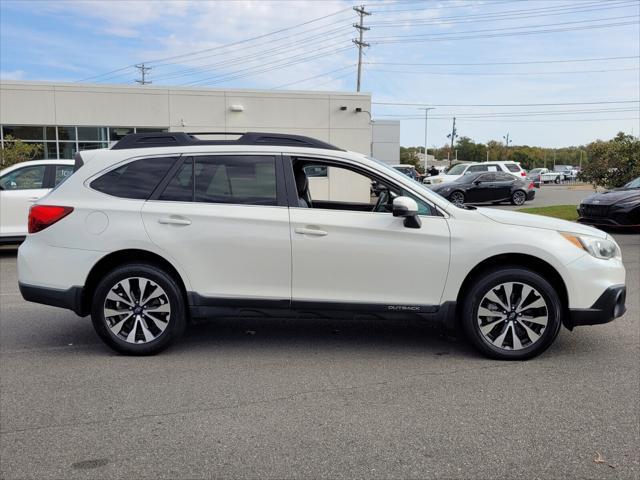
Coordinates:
[383,200]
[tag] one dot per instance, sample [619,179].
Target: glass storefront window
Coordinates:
[50,150]
[67,150]
[92,145]
[66,133]
[92,134]
[151,130]
[29,132]
[116,133]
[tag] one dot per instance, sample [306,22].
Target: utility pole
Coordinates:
[507,143]
[360,42]
[426,117]
[143,74]
[452,136]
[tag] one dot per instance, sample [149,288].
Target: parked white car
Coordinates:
[544,175]
[165,228]
[512,168]
[20,186]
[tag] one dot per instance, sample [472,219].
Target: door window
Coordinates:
[136,179]
[25,178]
[504,177]
[486,178]
[237,179]
[348,189]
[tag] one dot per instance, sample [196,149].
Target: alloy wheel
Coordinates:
[518,197]
[457,198]
[137,310]
[512,316]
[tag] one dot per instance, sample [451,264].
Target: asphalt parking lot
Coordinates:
[315,399]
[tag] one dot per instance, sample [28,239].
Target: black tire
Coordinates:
[171,298]
[457,197]
[557,180]
[518,197]
[486,283]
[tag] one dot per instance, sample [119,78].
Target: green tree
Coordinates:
[613,163]
[16,151]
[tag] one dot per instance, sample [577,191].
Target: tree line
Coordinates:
[608,163]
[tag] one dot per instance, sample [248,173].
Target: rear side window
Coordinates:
[62,172]
[477,168]
[504,177]
[136,179]
[247,180]
[512,167]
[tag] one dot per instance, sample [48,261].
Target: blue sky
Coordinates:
[420,53]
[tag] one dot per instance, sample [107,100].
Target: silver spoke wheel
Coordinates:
[512,316]
[137,310]
[519,197]
[457,198]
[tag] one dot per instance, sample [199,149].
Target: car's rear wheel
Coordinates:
[457,198]
[138,309]
[518,197]
[511,314]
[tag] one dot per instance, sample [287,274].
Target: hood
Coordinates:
[538,221]
[438,179]
[612,196]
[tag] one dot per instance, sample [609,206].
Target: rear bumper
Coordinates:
[609,306]
[531,194]
[70,298]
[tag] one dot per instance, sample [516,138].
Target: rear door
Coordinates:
[20,188]
[224,219]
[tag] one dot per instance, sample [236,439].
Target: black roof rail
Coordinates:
[181,139]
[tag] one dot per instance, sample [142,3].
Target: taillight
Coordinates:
[523,173]
[43,216]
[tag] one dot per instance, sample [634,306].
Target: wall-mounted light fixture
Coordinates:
[358,109]
[236,108]
[343,108]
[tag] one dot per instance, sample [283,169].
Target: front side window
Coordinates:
[486,178]
[135,179]
[347,189]
[234,179]
[477,168]
[25,178]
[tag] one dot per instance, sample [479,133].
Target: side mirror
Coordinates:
[477,182]
[408,208]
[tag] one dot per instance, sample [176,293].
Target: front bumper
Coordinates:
[609,216]
[609,306]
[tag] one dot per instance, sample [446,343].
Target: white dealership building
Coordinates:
[67,117]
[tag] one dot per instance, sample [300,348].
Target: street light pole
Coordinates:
[426,117]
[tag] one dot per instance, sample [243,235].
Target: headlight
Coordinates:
[597,247]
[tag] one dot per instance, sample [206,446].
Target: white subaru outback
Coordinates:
[161,229]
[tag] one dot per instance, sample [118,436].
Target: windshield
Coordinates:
[633,183]
[535,170]
[457,169]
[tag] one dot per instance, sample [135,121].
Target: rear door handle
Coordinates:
[174,221]
[311,231]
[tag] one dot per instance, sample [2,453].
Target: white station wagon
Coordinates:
[164,228]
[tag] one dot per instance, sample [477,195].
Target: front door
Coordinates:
[348,249]
[225,221]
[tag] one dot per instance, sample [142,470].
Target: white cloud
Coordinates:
[12,75]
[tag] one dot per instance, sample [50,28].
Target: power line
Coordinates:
[530,62]
[401,38]
[324,74]
[498,74]
[606,102]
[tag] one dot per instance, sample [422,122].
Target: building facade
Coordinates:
[385,142]
[66,117]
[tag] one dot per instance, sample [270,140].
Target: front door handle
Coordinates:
[174,221]
[311,231]
[34,199]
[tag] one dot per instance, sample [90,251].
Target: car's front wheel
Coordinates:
[138,309]
[512,314]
